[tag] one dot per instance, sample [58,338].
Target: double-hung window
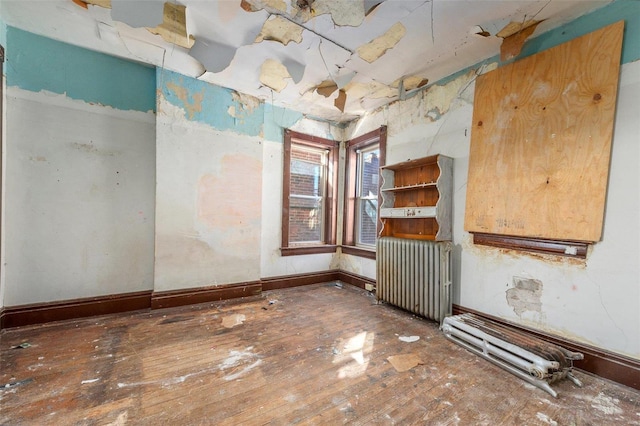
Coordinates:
[365,155]
[309,194]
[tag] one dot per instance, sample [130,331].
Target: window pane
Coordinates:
[369,173]
[366,214]
[367,222]
[306,195]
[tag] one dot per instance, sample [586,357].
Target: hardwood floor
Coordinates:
[307,355]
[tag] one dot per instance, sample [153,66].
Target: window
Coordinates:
[365,155]
[309,194]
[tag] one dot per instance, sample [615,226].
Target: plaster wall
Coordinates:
[79,199]
[596,301]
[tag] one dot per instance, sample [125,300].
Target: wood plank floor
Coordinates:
[315,355]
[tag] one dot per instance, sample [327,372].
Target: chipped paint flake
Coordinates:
[326,88]
[377,47]
[341,100]
[273,75]
[411,82]
[512,44]
[279,29]
[270,5]
[514,27]
[233,320]
[174,26]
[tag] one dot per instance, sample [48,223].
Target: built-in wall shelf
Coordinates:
[416,199]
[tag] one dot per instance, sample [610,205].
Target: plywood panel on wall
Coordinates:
[541,141]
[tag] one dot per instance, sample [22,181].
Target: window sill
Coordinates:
[357,251]
[302,250]
[576,249]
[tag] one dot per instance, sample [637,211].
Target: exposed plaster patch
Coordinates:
[247,103]
[219,205]
[377,47]
[191,106]
[438,99]
[273,75]
[174,26]
[525,295]
[279,29]
[372,89]
[256,5]
[514,35]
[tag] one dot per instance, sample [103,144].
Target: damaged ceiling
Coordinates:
[331,59]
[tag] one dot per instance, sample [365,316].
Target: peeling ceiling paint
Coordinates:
[377,47]
[273,74]
[512,43]
[301,54]
[279,29]
[174,26]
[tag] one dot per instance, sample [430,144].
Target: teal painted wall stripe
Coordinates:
[38,63]
[210,104]
[627,10]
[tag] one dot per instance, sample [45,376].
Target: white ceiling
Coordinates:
[418,40]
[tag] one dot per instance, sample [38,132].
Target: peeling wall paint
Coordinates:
[596,301]
[37,63]
[209,104]
[629,11]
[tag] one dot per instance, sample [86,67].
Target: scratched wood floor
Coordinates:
[315,355]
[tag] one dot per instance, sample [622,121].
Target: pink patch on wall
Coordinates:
[232,198]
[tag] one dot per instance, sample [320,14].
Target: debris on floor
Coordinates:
[14,384]
[22,345]
[404,362]
[409,339]
[233,320]
[338,285]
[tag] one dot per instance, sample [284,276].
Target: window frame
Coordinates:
[331,190]
[349,244]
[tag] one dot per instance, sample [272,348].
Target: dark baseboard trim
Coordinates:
[609,365]
[193,296]
[287,281]
[39,313]
[355,280]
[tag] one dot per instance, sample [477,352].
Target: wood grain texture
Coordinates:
[317,355]
[541,141]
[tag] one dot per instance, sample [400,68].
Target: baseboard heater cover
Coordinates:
[533,360]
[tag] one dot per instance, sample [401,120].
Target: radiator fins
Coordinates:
[415,275]
[533,360]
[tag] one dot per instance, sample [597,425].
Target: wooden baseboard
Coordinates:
[39,313]
[192,296]
[287,281]
[355,280]
[612,366]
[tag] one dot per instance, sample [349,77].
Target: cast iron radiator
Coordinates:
[415,275]
[532,359]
